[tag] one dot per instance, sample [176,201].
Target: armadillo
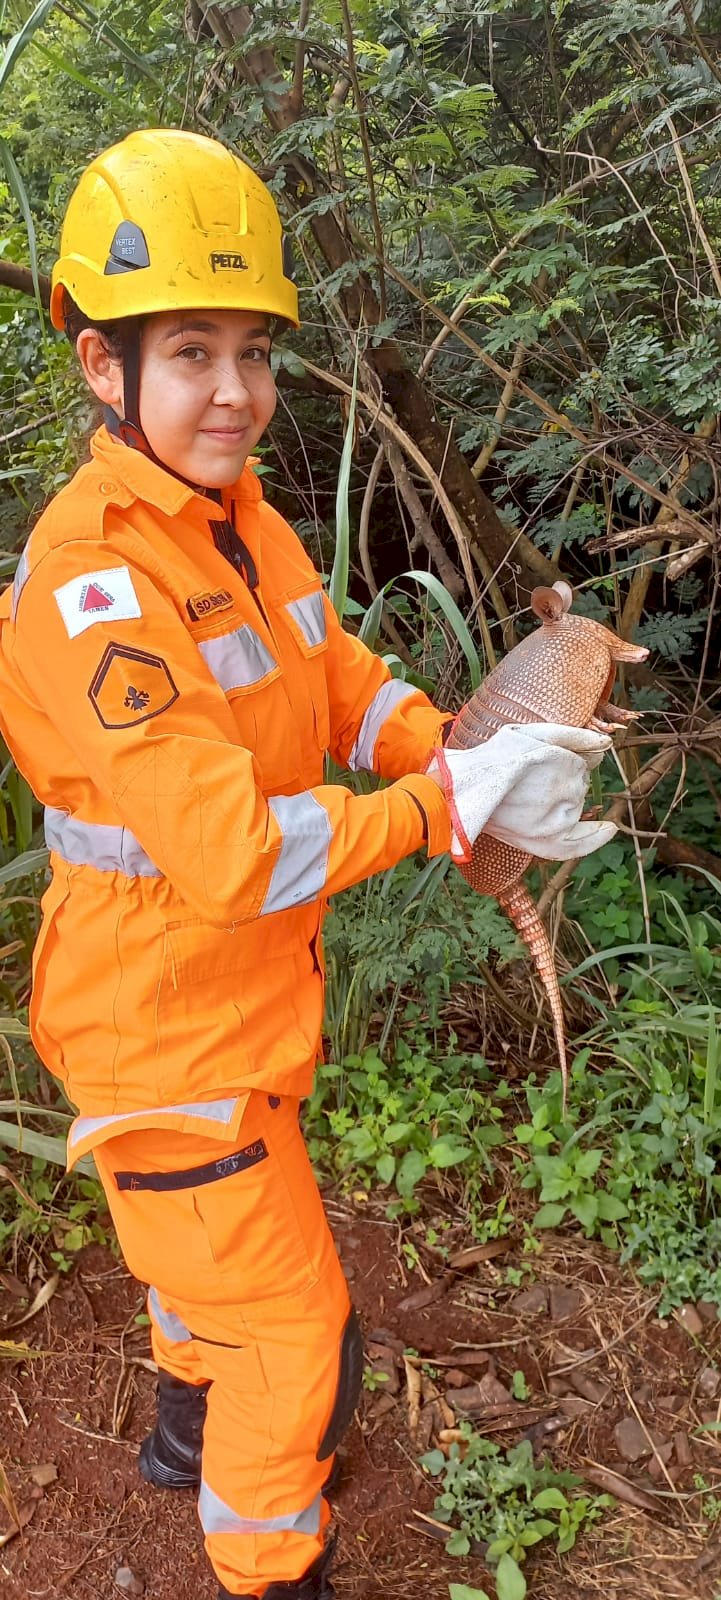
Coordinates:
[562,672]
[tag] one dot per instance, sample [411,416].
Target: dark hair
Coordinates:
[111,333]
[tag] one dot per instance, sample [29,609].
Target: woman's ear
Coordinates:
[102,371]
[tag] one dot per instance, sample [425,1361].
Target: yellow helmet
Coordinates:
[171,221]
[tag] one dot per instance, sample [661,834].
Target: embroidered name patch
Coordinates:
[107,596]
[131,686]
[201,605]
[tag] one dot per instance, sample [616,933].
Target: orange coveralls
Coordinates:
[170,692]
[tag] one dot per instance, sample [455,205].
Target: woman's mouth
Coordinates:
[227,435]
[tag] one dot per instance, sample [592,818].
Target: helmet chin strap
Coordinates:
[129,428]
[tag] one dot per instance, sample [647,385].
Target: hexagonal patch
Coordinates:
[131,686]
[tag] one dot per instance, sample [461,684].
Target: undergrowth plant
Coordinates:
[396,945]
[637,1159]
[395,1121]
[505,1502]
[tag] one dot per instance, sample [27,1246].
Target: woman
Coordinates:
[172,676]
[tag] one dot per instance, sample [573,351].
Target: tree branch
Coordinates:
[13,276]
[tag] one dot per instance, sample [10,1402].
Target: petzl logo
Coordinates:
[227,261]
[93,598]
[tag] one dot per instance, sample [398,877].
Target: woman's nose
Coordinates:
[231,387]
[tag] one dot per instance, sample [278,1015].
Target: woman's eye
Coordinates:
[191,352]
[256,352]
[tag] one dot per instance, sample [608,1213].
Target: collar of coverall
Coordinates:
[147,479]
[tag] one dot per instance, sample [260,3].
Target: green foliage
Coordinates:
[508,1502]
[637,1160]
[58,1216]
[397,944]
[395,1122]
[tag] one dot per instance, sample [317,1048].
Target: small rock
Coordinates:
[690,1320]
[565,1302]
[44,1474]
[593,1389]
[661,1459]
[669,1402]
[573,1406]
[530,1302]
[708,1311]
[683,1449]
[709,1381]
[631,1440]
[386,1371]
[456,1378]
[390,1340]
[481,1397]
[643,1394]
[557,1386]
[128,1581]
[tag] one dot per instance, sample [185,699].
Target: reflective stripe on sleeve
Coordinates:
[238,660]
[384,701]
[97,844]
[171,1325]
[206,1110]
[217,1517]
[22,573]
[309,613]
[300,872]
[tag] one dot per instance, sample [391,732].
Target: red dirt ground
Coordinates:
[87,1398]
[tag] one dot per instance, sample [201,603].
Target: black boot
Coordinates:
[170,1456]
[314,1585]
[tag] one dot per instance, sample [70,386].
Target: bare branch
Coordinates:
[367,157]
[13,276]
[296,93]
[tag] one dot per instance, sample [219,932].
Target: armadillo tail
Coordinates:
[523,913]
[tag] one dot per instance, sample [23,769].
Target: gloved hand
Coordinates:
[526,786]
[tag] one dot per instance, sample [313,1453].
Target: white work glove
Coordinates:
[526,786]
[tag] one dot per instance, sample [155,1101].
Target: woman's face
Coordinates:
[206,391]
[206,388]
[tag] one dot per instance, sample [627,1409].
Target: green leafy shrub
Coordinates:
[637,1159]
[395,946]
[394,1122]
[504,1500]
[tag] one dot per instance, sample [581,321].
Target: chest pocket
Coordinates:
[248,673]
[239,661]
[306,619]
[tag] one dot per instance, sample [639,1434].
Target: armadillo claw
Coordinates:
[598,724]
[617,714]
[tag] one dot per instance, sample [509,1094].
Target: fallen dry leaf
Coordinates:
[42,1297]
[613,1483]
[24,1514]
[479,1252]
[414,1385]
[426,1295]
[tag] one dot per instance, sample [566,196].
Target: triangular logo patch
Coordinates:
[95,599]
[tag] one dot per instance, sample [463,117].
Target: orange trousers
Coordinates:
[247,1294]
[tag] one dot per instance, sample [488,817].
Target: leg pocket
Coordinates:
[265,1226]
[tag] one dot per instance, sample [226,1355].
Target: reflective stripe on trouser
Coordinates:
[247,1295]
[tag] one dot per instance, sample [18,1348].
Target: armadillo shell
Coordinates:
[494,866]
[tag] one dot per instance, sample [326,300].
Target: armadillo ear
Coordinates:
[566,593]
[547,604]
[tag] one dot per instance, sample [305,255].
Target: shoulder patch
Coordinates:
[131,686]
[201,605]
[105,596]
